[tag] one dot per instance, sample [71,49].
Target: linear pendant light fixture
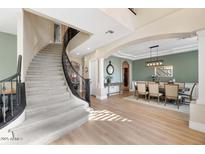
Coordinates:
[154,62]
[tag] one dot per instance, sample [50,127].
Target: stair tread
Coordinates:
[36,117]
[43,134]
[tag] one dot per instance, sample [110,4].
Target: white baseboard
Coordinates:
[101,97]
[197,126]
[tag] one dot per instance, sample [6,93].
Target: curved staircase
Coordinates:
[51,111]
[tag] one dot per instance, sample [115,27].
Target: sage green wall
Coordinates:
[185,67]
[117,64]
[8,55]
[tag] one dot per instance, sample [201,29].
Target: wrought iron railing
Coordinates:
[12,97]
[80,87]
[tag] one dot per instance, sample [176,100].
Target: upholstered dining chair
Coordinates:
[141,89]
[181,85]
[172,93]
[161,84]
[188,95]
[154,90]
[135,87]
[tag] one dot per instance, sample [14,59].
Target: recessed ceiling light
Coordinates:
[88,48]
[109,32]
[77,53]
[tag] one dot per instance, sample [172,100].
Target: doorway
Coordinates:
[57,33]
[125,67]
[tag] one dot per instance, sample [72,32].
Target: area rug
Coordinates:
[184,108]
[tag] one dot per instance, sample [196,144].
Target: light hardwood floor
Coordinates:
[118,121]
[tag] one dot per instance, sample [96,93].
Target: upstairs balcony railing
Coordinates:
[80,86]
[12,97]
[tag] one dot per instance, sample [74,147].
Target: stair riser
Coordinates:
[46,66]
[45,93]
[44,72]
[49,54]
[47,57]
[35,100]
[57,51]
[48,61]
[32,103]
[44,84]
[30,75]
[47,89]
[43,69]
[45,108]
[45,78]
[50,67]
[55,61]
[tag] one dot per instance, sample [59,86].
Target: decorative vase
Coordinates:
[108,80]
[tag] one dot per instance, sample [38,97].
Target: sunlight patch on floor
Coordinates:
[105,115]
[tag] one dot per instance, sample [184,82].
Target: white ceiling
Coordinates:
[166,47]
[93,21]
[96,22]
[8,20]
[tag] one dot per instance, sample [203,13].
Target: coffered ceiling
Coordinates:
[166,47]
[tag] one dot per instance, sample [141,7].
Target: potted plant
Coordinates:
[108,78]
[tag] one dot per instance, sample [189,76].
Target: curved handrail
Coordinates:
[69,70]
[65,44]
[15,90]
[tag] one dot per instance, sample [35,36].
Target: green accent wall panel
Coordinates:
[185,67]
[117,64]
[8,55]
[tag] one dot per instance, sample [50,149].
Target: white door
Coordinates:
[93,77]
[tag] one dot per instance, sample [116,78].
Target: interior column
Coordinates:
[101,92]
[197,109]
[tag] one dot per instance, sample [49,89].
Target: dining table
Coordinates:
[162,89]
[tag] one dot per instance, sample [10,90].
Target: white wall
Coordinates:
[37,33]
[197,109]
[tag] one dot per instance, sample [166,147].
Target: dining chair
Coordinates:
[188,95]
[135,87]
[161,84]
[172,93]
[154,91]
[141,89]
[181,85]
